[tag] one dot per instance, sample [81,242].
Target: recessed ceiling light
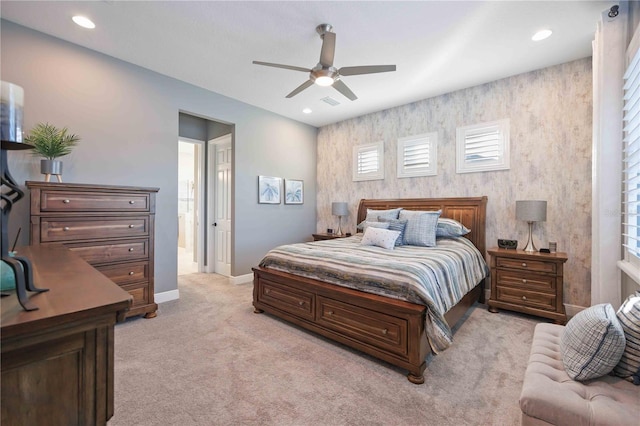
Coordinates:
[541,35]
[307,111]
[84,22]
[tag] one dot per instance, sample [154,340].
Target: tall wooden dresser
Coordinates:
[111,227]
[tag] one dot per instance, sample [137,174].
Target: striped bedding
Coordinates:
[436,277]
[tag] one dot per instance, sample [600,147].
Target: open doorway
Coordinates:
[190,198]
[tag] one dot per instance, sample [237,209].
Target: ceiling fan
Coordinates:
[325,74]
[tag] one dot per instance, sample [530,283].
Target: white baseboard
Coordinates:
[166,296]
[241,279]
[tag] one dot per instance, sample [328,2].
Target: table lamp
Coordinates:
[531,211]
[339,209]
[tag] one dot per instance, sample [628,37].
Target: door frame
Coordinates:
[212,177]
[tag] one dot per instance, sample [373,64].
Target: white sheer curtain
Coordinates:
[609,49]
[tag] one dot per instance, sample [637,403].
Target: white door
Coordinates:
[220,222]
[190,205]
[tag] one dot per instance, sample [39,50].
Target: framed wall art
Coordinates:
[293,191]
[269,189]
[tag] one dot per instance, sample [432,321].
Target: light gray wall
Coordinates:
[127,117]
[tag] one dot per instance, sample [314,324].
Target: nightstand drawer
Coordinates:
[526,264]
[526,281]
[532,299]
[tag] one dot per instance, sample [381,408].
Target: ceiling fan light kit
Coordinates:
[324,73]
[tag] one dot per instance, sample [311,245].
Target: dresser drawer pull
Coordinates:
[132,202]
[301,303]
[66,228]
[524,265]
[130,248]
[329,312]
[385,331]
[66,201]
[524,297]
[131,273]
[267,291]
[131,226]
[524,281]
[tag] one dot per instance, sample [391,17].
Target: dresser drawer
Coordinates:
[546,301]
[528,265]
[526,281]
[297,302]
[72,229]
[126,273]
[139,292]
[374,328]
[97,252]
[70,201]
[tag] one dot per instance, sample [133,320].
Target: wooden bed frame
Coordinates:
[388,329]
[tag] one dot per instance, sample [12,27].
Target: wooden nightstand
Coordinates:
[531,283]
[320,237]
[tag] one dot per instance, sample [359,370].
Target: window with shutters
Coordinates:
[417,155]
[368,162]
[631,161]
[482,147]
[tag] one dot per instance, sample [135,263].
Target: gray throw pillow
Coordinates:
[421,227]
[396,225]
[629,317]
[592,343]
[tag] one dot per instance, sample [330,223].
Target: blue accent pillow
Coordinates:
[375,215]
[421,227]
[450,228]
[592,343]
[396,225]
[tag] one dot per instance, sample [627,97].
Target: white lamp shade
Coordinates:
[340,209]
[531,210]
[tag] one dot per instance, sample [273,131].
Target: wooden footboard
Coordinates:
[388,329]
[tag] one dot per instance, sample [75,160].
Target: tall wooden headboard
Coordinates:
[470,211]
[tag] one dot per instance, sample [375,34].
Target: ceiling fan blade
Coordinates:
[366,69]
[342,88]
[328,49]
[286,67]
[300,88]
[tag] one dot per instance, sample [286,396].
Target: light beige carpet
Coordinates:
[207,359]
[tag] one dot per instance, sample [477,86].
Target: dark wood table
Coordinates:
[57,361]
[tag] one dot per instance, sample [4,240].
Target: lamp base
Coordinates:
[339,232]
[530,247]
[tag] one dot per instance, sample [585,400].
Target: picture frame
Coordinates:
[269,190]
[293,191]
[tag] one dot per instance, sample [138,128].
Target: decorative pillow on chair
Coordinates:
[592,343]
[379,237]
[396,225]
[450,228]
[629,317]
[421,227]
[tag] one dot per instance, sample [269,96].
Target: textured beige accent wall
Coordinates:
[550,112]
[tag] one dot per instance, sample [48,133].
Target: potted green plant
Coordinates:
[50,142]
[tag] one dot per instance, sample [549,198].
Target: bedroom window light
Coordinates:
[368,162]
[631,162]
[417,155]
[483,147]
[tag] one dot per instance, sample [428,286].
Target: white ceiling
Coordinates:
[438,46]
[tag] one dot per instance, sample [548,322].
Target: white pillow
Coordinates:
[367,224]
[379,237]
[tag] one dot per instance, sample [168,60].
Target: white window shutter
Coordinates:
[483,147]
[368,162]
[631,161]
[417,155]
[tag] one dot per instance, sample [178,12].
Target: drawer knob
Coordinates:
[66,228]
[301,303]
[131,226]
[130,248]
[524,281]
[385,331]
[267,291]
[132,202]
[131,273]
[329,312]
[66,201]
[524,265]
[524,297]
